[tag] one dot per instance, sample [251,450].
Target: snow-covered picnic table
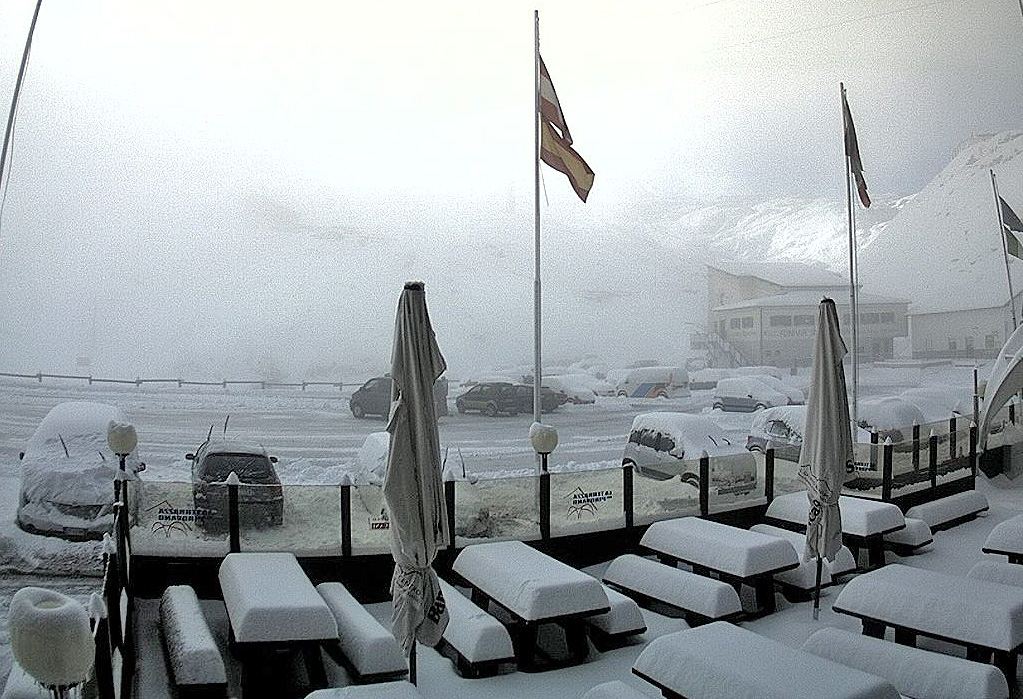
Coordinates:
[1007,539]
[723,661]
[533,589]
[737,556]
[272,604]
[984,616]
[864,522]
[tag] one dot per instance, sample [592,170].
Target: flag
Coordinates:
[556,140]
[1013,227]
[852,151]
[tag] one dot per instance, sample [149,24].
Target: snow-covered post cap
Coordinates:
[345,479]
[121,437]
[543,437]
[97,607]
[50,637]
[233,479]
[109,547]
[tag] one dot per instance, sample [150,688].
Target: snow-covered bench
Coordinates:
[797,583]
[985,617]
[998,571]
[914,672]
[700,599]
[949,511]
[906,542]
[383,690]
[724,661]
[737,556]
[368,651]
[193,656]
[479,643]
[1006,539]
[616,689]
[864,522]
[617,626]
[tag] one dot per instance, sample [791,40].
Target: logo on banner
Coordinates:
[582,502]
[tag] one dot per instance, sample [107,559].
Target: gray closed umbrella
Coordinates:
[827,450]
[413,487]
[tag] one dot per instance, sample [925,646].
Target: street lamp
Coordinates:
[122,439]
[544,439]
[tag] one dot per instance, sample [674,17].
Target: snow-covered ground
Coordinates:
[316,438]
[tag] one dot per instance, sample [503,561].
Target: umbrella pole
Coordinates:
[817,590]
[412,662]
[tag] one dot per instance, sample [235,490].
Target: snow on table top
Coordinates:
[269,598]
[720,547]
[860,517]
[1006,536]
[381,690]
[529,583]
[722,661]
[966,610]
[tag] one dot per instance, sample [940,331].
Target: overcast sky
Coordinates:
[197,111]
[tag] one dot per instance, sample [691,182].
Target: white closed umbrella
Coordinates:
[827,450]
[413,489]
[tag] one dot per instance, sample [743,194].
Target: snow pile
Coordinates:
[473,632]
[720,547]
[191,649]
[370,647]
[50,636]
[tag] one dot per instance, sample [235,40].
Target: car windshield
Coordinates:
[251,468]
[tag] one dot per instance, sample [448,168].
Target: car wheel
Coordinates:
[661,394]
[358,411]
[490,410]
[719,406]
[759,406]
[690,478]
[623,394]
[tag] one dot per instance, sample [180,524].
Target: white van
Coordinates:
[655,382]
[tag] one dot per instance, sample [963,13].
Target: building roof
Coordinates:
[804,297]
[788,274]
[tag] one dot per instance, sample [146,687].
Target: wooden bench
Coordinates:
[914,672]
[798,584]
[950,511]
[366,650]
[864,522]
[985,617]
[193,657]
[697,598]
[910,540]
[383,690]
[615,689]
[617,627]
[998,571]
[736,556]
[1006,539]
[477,643]
[722,661]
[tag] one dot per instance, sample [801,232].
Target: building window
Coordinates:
[869,318]
[734,323]
[780,321]
[747,322]
[989,341]
[928,343]
[802,320]
[952,344]
[888,318]
[969,343]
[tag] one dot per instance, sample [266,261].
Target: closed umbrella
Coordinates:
[413,489]
[827,450]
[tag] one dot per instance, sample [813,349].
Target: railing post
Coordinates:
[232,511]
[704,484]
[627,495]
[769,475]
[933,459]
[545,505]
[886,471]
[973,452]
[449,504]
[346,516]
[874,440]
[916,446]
[952,437]
[1012,412]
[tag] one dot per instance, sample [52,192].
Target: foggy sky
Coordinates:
[172,159]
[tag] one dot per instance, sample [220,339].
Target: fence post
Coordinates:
[627,495]
[769,475]
[545,505]
[346,515]
[886,470]
[1012,411]
[232,511]
[952,437]
[103,665]
[449,503]
[933,459]
[704,484]
[916,446]
[973,452]
[873,449]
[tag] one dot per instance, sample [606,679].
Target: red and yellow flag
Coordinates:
[556,140]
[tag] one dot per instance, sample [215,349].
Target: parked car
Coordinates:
[260,496]
[655,382]
[745,394]
[494,397]
[67,473]
[374,397]
[779,428]
[793,394]
[664,445]
[574,388]
[891,418]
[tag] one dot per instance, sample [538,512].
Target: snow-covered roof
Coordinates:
[804,297]
[790,274]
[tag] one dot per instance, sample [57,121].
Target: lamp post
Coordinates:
[545,440]
[122,439]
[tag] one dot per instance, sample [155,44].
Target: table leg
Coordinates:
[875,552]
[1006,662]
[314,665]
[978,654]
[480,599]
[763,589]
[576,640]
[873,628]
[524,642]
[905,636]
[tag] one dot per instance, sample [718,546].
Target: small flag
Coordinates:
[1013,228]
[852,151]
[556,140]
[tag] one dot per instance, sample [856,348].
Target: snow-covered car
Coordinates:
[68,471]
[793,394]
[260,496]
[745,394]
[779,428]
[940,402]
[664,445]
[575,388]
[891,418]
[655,382]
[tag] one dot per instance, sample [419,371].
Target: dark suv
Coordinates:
[260,496]
[374,397]
[495,397]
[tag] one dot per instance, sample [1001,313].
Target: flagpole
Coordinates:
[1005,249]
[852,258]
[537,364]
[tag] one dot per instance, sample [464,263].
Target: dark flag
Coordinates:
[1013,228]
[852,151]
[556,141]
